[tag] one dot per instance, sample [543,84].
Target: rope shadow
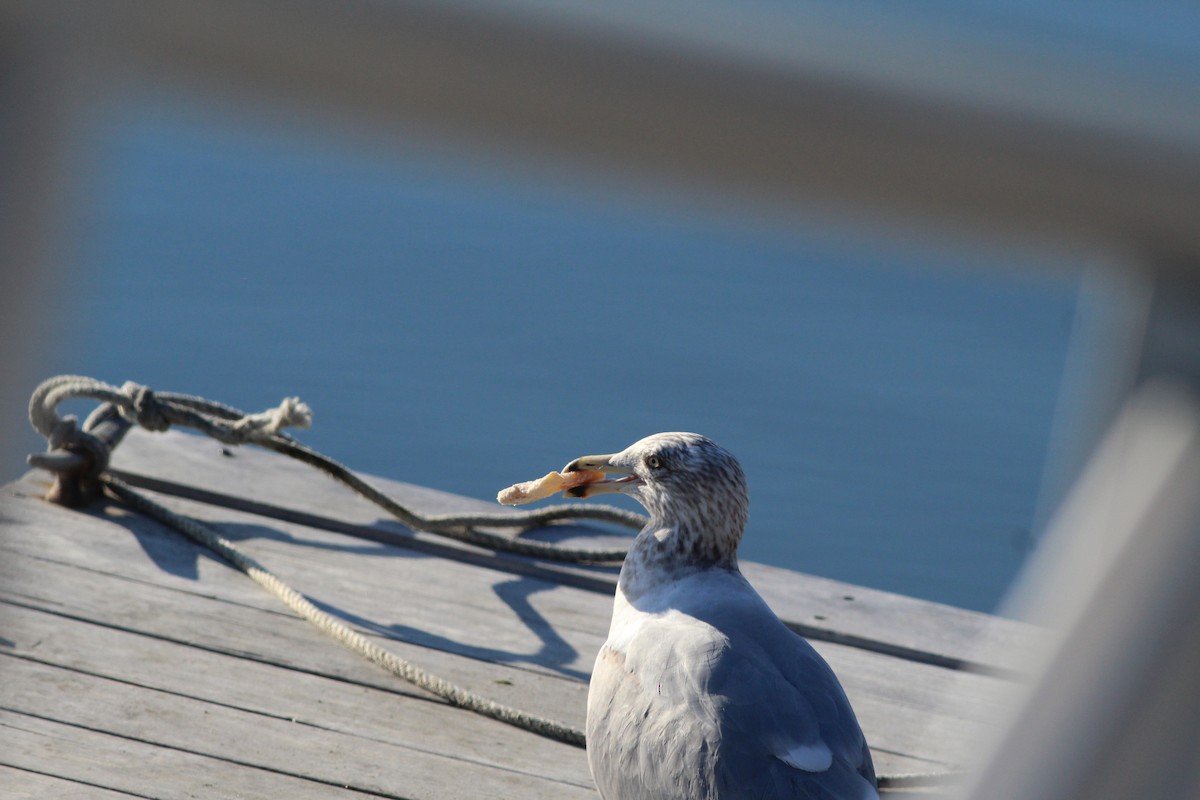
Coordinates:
[176,555]
[171,552]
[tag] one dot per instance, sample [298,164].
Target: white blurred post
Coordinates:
[1116,712]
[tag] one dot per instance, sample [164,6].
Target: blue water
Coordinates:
[464,325]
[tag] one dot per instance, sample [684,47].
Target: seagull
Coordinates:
[700,691]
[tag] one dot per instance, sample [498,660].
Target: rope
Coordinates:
[335,628]
[158,411]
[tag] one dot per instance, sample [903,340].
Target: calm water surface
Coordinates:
[464,329]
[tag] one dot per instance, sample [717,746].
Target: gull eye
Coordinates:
[654,462]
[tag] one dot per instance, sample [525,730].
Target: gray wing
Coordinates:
[786,727]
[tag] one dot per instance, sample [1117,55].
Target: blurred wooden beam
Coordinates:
[694,109]
[36,125]
[1113,714]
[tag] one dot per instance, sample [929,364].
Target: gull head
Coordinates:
[694,489]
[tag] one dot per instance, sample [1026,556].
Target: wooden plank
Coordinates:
[911,711]
[21,783]
[138,768]
[817,607]
[932,633]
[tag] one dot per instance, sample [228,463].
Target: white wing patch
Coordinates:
[808,757]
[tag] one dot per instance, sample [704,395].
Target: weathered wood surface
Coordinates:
[132,661]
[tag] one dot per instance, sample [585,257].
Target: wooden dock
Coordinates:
[135,664]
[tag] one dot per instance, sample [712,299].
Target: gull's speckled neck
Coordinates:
[696,494]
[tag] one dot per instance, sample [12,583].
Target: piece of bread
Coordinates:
[545,486]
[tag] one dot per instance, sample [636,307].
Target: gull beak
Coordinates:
[627,481]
